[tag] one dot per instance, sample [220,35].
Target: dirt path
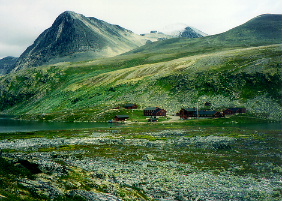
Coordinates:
[172,118]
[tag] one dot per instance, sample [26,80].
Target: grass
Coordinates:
[83,91]
[82,86]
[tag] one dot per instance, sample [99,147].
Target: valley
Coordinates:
[69,80]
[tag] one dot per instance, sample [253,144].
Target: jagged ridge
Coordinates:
[74,37]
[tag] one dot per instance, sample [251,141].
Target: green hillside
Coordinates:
[249,77]
[241,67]
[262,30]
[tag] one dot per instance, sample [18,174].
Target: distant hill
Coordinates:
[174,31]
[74,37]
[7,64]
[266,28]
[262,30]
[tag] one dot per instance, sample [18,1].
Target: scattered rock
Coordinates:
[43,189]
[90,196]
[148,157]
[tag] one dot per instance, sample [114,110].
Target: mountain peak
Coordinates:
[191,32]
[68,16]
[182,30]
[74,37]
[71,14]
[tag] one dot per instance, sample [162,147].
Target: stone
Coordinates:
[90,196]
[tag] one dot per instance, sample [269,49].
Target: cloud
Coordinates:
[9,49]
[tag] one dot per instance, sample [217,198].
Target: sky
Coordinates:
[21,21]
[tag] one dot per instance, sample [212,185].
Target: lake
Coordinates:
[8,125]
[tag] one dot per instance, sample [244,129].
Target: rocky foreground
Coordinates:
[166,165]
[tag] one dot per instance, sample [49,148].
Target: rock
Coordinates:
[42,188]
[51,167]
[90,196]
[148,157]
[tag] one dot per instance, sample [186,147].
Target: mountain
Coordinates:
[74,37]
[262,30]
[174,31]
[182,30]
[238,68]
[190,32]
[266,28]
[7,64]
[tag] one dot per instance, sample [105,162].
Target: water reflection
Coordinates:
[7,124]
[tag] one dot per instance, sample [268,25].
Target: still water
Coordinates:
[8,125]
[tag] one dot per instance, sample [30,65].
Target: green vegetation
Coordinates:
[88,93]
[172,150]
[241,67]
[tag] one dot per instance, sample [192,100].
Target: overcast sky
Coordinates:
[21,21]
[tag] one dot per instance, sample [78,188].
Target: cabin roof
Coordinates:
[201,112]
[122,116]
[129,105]
[151,108]
[190,109]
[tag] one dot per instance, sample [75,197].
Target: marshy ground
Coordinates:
[143,162]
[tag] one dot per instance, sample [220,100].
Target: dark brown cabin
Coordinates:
[210,113]
[236,110]
[154,111]
[185,113]
[130,106]
[121,117]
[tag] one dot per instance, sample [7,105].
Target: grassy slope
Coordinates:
[262,30]
[237,68]
[228,78]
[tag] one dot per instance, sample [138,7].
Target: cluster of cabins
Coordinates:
[152,112]
[184,113]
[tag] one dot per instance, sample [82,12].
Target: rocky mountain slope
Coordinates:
[74,37]
[190,32]
[227,70]
[7,64]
